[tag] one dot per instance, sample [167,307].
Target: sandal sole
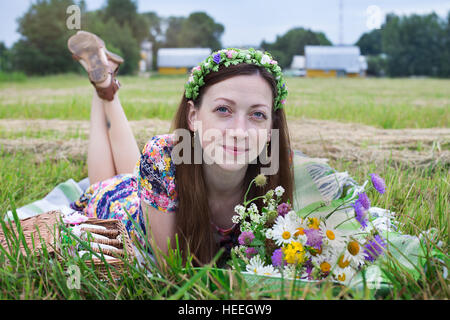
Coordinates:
[87,46]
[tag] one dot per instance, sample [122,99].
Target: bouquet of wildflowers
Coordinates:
[279,241]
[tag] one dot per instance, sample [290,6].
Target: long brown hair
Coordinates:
[193,218]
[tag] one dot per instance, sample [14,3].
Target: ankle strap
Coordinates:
[108,92]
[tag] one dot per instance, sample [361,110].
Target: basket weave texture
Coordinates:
[47,224]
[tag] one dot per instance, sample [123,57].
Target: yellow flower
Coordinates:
[294,252]
[314,223]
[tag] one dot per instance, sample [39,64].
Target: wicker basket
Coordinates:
[43,225]
[47,224]
[115,227]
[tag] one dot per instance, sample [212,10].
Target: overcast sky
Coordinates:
[248,22]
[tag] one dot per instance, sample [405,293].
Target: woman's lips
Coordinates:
[234,150]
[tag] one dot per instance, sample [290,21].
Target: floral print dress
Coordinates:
[153,181]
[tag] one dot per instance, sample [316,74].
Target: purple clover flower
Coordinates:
[246,238]
[378,183]
[250,252]
[374,248]
[309,269]
[283,209]
[277,258]
[216,58]
[361,215]
[364,200]
[314,238]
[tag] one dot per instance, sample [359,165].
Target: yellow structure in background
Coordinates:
[311,73]
[172,70]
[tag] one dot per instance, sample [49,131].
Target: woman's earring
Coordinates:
[267,150]
[193,139]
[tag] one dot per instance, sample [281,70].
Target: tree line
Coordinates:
[414,45]
[403,46]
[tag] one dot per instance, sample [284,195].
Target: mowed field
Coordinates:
[398,128]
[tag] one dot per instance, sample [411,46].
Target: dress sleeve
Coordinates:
[155,173]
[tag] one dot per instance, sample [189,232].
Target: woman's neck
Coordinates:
[225,191]
[223,184]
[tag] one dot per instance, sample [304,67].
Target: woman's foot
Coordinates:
[101,65]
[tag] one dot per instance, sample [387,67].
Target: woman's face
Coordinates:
[234,121]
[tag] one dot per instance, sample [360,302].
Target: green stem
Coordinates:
[320,206]
[248,189]
[249,201]
[343,222]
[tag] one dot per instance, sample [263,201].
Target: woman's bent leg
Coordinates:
[100,158]
[123,144]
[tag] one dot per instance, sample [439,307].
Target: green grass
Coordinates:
[418,196]
[384,103]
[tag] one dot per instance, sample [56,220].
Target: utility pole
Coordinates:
[341,22]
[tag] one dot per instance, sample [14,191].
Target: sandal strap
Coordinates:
[108,92]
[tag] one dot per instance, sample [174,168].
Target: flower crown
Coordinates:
[235,56]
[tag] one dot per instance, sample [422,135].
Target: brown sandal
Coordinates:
[90,51]
[108,92]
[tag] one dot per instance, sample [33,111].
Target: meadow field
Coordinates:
[398,128]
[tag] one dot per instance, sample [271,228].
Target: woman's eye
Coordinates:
[222,108]
[260,115]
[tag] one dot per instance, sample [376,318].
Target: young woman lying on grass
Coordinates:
[227,126]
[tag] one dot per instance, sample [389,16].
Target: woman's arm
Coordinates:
[160,225]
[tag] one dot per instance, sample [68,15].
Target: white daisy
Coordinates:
[324,260]
[354,253]
[344,275]
[332,237]
[269,270]
[283,231]
[256,266]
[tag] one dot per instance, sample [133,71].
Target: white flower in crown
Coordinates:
[191,78]
[265,59]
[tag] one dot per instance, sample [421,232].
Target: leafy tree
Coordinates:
[4,58]
[42,48]
[293,43]
[370,42]
[197,30]
[155,33]
[200,30]
[444,70]
[174,26]
[118,39]
[125,13]
[413,44]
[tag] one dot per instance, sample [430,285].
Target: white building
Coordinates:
[333,61]
[298,66]
[180,60]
